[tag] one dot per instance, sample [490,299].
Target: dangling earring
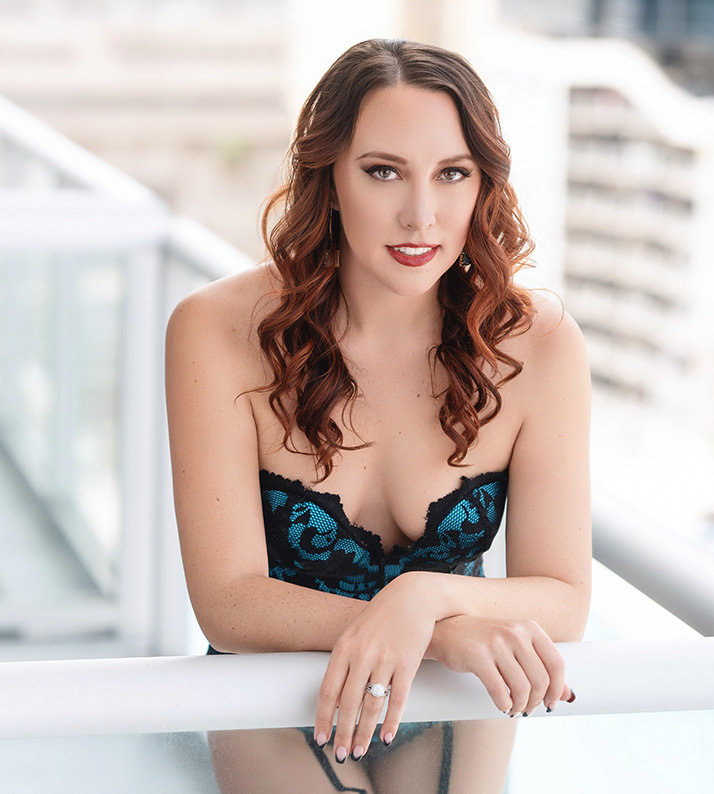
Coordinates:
[331,258]
[465,261]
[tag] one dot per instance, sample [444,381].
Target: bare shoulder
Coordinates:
[221,318]
[554,337]
[230,304]
[554,357]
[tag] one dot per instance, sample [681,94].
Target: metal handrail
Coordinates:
[195,693]
[655,560]
[69,159]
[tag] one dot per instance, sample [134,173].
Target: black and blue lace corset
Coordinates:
[312,543]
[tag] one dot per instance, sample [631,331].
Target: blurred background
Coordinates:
[138,139]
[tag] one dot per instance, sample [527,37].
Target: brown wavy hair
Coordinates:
[480,307]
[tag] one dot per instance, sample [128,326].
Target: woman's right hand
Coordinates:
[515,660]
[385,644]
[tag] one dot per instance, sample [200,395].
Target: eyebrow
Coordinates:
[396,159]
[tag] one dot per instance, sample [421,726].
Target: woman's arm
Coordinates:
[214,453]
[548,522]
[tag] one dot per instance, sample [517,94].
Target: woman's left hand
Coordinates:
[516,660]
[384,645]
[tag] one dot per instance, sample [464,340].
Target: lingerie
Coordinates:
[312,543]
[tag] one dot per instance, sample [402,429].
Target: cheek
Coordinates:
[467,211]
[361,215]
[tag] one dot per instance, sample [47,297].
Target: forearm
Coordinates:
[559,607]
[260,614]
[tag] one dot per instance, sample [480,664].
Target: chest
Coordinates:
[400,467]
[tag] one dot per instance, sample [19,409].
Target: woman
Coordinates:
[383,366]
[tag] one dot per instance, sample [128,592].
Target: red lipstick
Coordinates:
[412,260]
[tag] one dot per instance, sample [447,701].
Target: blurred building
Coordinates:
[679,34]
[636,260]
[188,98]
[614,166]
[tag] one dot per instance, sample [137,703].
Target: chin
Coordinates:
[416,289]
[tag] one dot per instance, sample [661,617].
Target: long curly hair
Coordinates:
[480,308]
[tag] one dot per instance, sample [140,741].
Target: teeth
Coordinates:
[413,251]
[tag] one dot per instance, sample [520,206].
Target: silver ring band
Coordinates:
[377,690]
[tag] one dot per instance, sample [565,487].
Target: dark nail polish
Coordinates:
[511,716]
[525,714]
[388,738]
[548,709]
[572,697]
[340,755]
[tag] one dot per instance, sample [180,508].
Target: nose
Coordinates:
[418,210]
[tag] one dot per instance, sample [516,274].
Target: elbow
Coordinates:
[225,620]
[576,614]
[219,635]
[227,636]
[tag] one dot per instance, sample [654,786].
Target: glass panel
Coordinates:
[61,326]
[620,754]
[28,403]
[182,277]
[60,357]
[98,296]
[142,764]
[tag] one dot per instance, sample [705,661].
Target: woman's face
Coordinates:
[406,189]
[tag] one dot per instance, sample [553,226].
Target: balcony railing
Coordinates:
[91,264]
[113,696]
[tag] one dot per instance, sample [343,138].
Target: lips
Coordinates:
[413,255]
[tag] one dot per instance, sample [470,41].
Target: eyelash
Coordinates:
[465,173]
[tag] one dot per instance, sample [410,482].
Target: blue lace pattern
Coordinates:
[312,543]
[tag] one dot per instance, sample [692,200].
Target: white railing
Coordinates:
[655,560]
[196,693]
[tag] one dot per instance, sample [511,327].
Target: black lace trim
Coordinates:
[331,503]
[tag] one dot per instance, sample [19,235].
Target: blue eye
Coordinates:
[383,173]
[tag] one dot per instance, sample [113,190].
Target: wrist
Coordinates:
[422,589]
[432,649]
[439,638]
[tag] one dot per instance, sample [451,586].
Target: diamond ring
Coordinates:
[378,690]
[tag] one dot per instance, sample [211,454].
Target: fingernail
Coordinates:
[321,739]
[340,755]
[357,753]
[388,739]
[548,709]
[525,714]
[571,698]
[511,715]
